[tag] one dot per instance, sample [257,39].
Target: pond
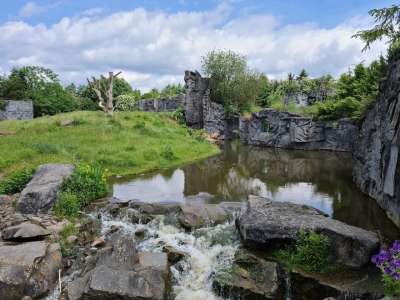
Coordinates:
[316,178]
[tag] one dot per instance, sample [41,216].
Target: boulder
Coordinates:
[41,192]
[29,269]
[119,272]
[265,222]
[159,208]
[24,232]
[194,216]
[249,277]
[174,255]
[376,168]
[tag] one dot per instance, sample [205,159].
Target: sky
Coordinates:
[154,41]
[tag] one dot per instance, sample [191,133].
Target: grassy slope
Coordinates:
[129,143]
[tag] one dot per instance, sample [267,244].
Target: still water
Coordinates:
[316,178]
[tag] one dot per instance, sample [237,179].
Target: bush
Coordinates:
[66,249]
[16,182]
[125,103]
[310,252]
[333,110]
[168,153]
[86,184]
[179,115]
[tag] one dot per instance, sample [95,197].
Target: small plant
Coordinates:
[66,249]
[168,153]
[388,261]
[179,115]
[199,135]
[86,184]
[45,148]
[16,182]
[310,252]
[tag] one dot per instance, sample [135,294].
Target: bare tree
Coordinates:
[103,89]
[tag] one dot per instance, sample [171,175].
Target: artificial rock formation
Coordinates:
[273,128]
[16,110]
[197,89]
[376,155]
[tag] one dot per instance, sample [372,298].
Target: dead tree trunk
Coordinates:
[103,89]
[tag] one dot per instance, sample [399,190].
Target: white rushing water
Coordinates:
[192,276]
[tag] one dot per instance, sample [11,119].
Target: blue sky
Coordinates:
[154,41]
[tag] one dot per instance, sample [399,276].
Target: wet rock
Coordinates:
[72,239]
[155,208]
[24,232]
[194,216]
[140,233]
[40,193]
[265,222]
[98,242]
[120,202]
[249,277]
[174,255]
[119,272]
[28,269]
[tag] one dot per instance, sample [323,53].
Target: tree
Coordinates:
[388,22]
[233,84]
[103,89]
[303,75]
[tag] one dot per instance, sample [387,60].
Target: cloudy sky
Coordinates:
[154,41]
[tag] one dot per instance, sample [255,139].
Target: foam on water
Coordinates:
[192,276]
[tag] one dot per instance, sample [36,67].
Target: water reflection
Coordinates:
[320,179]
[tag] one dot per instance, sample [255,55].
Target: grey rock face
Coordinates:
[122,273]
[376,155]
[249,277]
[16,110]
[265,222]
[40,193]
[168,104]
[28,269]
[194,216]
[197,89]
[272,128]
[24,232]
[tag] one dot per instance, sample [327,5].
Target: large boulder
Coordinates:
[120,272]
[24,232]
[376,155]
[265,222]
[41,192]
[249,277]
[193,216]
[28,269]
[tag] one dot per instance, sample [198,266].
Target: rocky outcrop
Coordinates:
[272,128]
[249,277]
[194,216]
[165,104]
[120,272]
[376,155]
[28,269]
[41,192]
[265,222]
[197,89]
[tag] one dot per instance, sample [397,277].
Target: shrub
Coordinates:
[388,261]
[310,252]
[86,184]
[45,148]
[125,103]
[179,115]
[66,249]
[16,182]
[168,153]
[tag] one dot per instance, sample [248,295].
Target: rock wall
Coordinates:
[168,104]
[16,110]
[376,169]
[286,130]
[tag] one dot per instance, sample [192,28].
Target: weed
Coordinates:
[16,182]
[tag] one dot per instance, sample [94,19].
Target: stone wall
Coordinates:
[286,130]
[16,110]
[197,92]
[167,104]
[376,167]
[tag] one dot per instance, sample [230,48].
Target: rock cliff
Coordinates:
[376,170]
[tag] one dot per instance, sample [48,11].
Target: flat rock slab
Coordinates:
[24,232]
[41,192]
[266,222]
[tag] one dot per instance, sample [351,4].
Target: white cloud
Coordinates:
[29,9]
[153,48]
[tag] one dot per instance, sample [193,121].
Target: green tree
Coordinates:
[387,26]
[152,94]
[172,90]
[303,75]
[233,84]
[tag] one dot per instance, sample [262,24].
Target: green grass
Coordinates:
[128,143]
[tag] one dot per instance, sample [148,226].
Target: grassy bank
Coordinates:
[128,143]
